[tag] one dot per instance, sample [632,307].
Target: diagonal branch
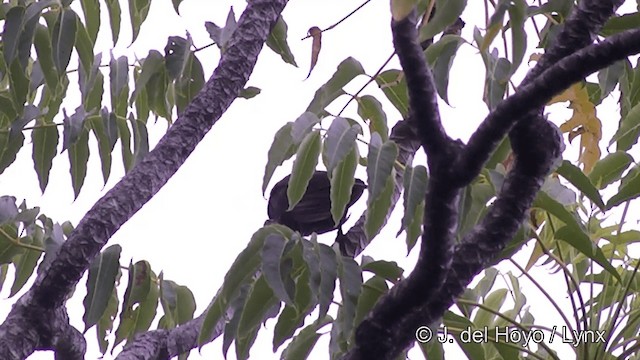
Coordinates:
[143,182]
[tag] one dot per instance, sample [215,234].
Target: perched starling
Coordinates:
[313,212]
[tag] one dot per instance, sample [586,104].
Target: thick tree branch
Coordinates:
[534,95]
[146,178]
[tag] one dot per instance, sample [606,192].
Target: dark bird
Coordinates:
[313,212]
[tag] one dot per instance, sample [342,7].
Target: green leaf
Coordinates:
[105,324]
[517,18]
[63,39]
[340,140]
[304,166]
[415,188]
[277,41]
[414,230]
[73,127]
[629,189]
[447,13]
[440,57]
[378,209]
[150,66]
[350,277]
[259,301]
[494,301]
[394,86]
[380,164]
[240,273]
[138,10]
[627,134]
[609,76]
[84,45]
[119,77]
[140,139]
[578,179]
[10,144]
[547,203]
[45,142]
[332,89]
[104,149]
[272,253]
[369,108]
[113,7]
[125,140]
[329,274]
[342,182]
[13,26]
[386,269]
[42,43]
[581,242]
[103,273]
[281,149]
[91,11]
[609,169]
[249,92]
[26,262]
[372,291]
[621,23]
[78,158]
[303,343]
[292,317]
[303,126]
[189,83]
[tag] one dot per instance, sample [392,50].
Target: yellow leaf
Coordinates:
[583,123]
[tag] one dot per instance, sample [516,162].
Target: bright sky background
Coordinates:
[195,226]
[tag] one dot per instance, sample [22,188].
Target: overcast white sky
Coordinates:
[195,226]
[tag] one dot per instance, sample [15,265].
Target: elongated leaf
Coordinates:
[377,209]
[303,343]
[578,179]
[447,13]
[138,10]
[347,71]
[369,108]
[45,143]
[440,57]
[272,253]
[103,272]
[26,262]
[379,166]
[329,274]
[13,26]
[394,86]
[628,191]
[304,166]
[63,39]
[277,41]
[627,134]
[281,149]
[547,203]
[303,126]
[78,158]
[609,169]
[582,243]
[91,10]
[259,301]
[113,7]
[415,188]
[42,44]
[342,182]
[150,66]
[341,138]
[239,274]
[84,45]
[372,290]
[350,276]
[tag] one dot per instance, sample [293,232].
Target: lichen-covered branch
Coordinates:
[117,206]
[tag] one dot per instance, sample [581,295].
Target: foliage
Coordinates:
[281,274]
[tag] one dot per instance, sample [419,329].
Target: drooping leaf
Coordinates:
[341,138]
[440,57]
[627,134]
[91,11]
[78,158]
[138,10]
[63,39]
[629,189]
[272,256]
[378,208]
[304,166]
[281,149]
[103,273]
[113,7]
[303,126]
[342,182]
[277,41]
[415,187]
[332,89]
[369,108]
[609,169]
[447,13]
[45,143]
[580,241]
[316,35]
[394,86]
[577,178]
[380,161]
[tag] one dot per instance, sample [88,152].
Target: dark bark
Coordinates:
[18,335]
[537,145]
